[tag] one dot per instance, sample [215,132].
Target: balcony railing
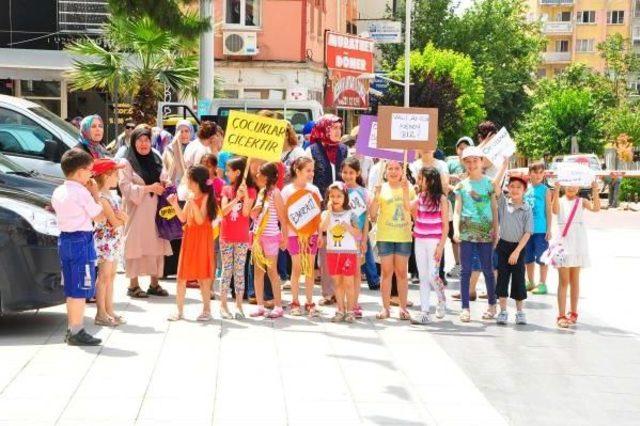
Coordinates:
[556,2]
[556,57]
[82,16]
[557,27]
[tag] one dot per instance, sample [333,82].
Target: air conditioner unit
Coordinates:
[240,43]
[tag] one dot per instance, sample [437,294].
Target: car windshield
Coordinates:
[8,166]
[59,122]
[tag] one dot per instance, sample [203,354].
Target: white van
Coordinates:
[33,136]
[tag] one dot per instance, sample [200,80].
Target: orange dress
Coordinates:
[196,252]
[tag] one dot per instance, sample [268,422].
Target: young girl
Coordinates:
[237,201]
[392,207]
[359,202]
[475,224]
[196,254]
[430,212]
[108,241]
[341,225]
[269,218]
[210,161]
[569,208]
[301,178]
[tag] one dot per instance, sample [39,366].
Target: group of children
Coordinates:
[497,233]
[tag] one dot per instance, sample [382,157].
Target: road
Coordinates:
[296,371]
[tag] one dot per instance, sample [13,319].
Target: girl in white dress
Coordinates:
[575,244]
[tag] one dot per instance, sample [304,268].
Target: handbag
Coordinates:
[167,222]
[556,253]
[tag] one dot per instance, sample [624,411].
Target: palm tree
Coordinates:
[140,60]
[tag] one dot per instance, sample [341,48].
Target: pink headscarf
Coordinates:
[321,132]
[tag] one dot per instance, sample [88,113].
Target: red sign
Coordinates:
[348,57]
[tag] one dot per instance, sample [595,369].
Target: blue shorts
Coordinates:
[475,261]
[78,263]
[536,245]
[386,248]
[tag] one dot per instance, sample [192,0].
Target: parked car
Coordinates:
[30,275]
[33,136]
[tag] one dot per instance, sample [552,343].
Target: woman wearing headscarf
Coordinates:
[91,134]
[173,155]
[141,185]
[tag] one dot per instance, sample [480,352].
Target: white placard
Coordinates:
[409,127]
[499,147]
[357,203]
[574,174]
[303,211]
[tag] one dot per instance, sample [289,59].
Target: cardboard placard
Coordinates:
[367,143]
[575,174]
[407,128]
[357,203]
[254,136]
[303,210]
[499,147]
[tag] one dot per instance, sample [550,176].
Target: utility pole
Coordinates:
[407,49]
[206,58]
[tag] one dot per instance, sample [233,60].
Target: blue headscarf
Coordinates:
[188,125]
[94,148]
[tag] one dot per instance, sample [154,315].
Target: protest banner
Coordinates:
[407,128]
[367,141]
[499,147]
[574,174]
[254,136]
[357,203]
[303,211]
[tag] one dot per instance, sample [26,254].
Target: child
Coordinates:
[108,241]
[210,161]
[301,178]
[76,205]
[475,225]
[237,201]
[392,207]
[341,225]
[538,196]
[196,254]
[570,210]
[269,217]
[515,223]
[359,202]
[431,215]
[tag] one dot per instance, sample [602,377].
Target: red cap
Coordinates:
[104,165]
[521,179]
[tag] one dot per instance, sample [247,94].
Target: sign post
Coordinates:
[407,128]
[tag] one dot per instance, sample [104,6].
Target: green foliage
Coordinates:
[630,189]
[624,119]
[619,61]
[446,80]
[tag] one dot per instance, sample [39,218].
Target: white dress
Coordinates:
[575,243]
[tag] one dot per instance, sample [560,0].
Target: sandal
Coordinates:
[294,309]
[225,314]
[383,314]
[240,315]
[156,290]
[572,317]
[175,317]
[204,317]
[350,317]
[137,293]
[312,311]
[465,315]
[562,322]
[488,314]
[404,315]
[326,301]
[119,319]
[106,322]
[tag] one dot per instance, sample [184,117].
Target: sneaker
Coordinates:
[465,315]
[350,317]
[260,312]
[277,312]
[338,317]
[541,289]
[81,338]
[454,272]
[441,310]
[357,311]
[423,318]
[521,318]
[530,286]
[502,318]
[286,285]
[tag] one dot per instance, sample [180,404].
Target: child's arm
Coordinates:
[456,218]
[494,225]
[181,213]
[375,203]
[555,201]
[257,208]
[515,254]
[282,215]
[444,215]
[497,180]
[594,205]
[227,205]
[111,216]
[414,209]
[547,212]
[248,201]
[353,228]
[365,235]
[406,196]
[324,222]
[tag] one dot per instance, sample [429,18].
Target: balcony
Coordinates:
[556,2]
[556,57]
[557,27]
[82,16]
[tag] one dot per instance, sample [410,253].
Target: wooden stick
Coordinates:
[246,170]
[406,164]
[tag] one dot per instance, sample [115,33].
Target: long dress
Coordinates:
[196,253]
[144,251]
[575,243]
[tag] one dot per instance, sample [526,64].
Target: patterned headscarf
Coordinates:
[322,133]
[95,148]
[188,125]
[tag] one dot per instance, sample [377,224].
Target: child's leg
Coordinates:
[258,284]
[386,266]
[485,251]
[309,281]
[563,284]
[295,277]
[226,252]
[423,263]
[181,292]
[504,274]
[518,282]
[574,282]
[338,281]
[75,313]
[101,291]
[544,269]
[110,276]
[274,277]
[349,288]
[401,268]
[531,272]
[466,259]
[205,291]
[240,258]
[357,281]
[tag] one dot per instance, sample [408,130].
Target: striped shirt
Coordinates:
[428,222]
[271,228]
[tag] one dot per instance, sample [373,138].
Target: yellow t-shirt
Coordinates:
[394,221]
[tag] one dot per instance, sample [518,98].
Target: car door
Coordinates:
[22,139]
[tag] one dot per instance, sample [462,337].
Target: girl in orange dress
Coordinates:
[196,252]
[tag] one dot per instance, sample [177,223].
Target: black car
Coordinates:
[29,267]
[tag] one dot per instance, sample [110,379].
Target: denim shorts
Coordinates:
[386,248]
[536,245]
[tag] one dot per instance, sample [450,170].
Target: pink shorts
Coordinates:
[270,244]
[344,264]
[293,245]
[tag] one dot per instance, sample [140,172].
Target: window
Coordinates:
[615,17]
[584,45]
[562,46]
[20,134]
[564,16]
[586,17]
[243,12]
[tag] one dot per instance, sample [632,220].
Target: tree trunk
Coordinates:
[145,103]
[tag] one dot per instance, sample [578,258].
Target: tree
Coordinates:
[446,80]
[170,15]
[624,120]
[141,60]
[619,62]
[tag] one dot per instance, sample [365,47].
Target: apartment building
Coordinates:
[573,29]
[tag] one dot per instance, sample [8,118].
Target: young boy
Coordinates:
[538,196]
[515,224]
[75,203]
